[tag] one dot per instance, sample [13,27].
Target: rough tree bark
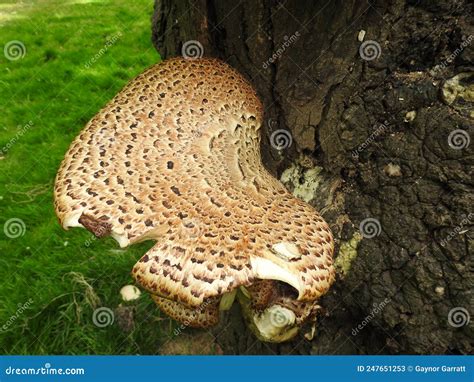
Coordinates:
[371,139]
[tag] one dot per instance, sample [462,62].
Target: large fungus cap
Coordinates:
[175,158]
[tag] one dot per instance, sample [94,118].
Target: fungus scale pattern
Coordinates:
[175,157]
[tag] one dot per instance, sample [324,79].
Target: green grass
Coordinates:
[51,279]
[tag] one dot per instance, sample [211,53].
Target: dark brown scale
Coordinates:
[99,227]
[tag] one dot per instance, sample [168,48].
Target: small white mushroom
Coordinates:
[439,290]
[410,116]
[392,169]
[130,293]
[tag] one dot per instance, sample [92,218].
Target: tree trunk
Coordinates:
[380,133]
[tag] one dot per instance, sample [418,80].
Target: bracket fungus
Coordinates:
[175,158]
